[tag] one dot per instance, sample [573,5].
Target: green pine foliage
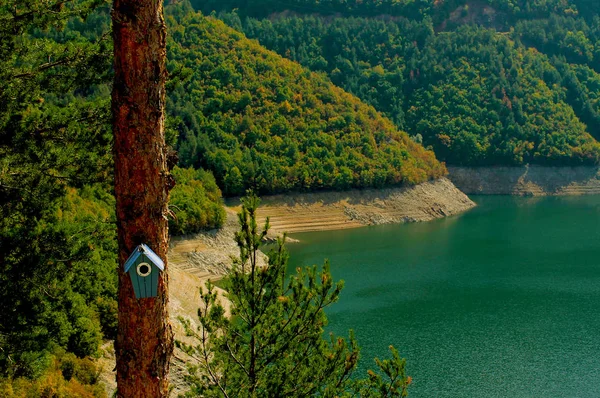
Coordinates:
[260,121]
[69,301]
[57,252]
[272,344]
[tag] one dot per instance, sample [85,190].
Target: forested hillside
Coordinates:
[260,121]
[483,83]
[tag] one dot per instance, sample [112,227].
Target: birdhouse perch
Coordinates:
[143,266]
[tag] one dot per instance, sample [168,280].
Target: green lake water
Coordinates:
[502,301]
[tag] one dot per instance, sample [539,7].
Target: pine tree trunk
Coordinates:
[142,182]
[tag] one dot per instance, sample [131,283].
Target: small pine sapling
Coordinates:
[271,344]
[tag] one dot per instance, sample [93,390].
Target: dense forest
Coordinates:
[260,121]
[482,83]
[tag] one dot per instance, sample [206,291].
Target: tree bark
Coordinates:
[142,182]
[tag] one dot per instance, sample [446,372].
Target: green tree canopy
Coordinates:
[195,201]
[56,247]
[475,95]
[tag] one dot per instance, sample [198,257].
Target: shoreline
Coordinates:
[207,255]
[528,180]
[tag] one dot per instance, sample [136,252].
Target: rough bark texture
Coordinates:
[145,341]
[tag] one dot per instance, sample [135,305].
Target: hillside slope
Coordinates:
[482,82]
[260,121]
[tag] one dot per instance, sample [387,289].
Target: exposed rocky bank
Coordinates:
[527,180]
[350,209]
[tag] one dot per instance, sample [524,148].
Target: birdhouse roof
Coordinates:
[146,251]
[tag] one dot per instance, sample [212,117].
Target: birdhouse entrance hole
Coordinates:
[144,269]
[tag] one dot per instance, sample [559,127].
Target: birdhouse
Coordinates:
[143,267]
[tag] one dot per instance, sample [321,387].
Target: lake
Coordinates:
[502,301]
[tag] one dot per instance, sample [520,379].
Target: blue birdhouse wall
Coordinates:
[143,267]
